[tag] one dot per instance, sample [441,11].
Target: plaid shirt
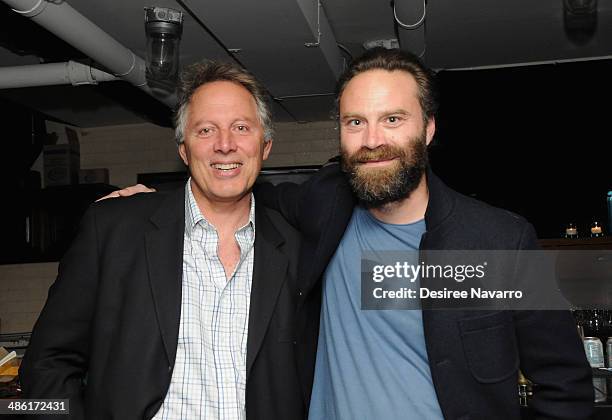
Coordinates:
[209,377]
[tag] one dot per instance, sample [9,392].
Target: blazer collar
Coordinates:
[164,252]
[441,204]
[269,273]
[171,209]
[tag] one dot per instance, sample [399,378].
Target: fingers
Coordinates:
[135,189]
[126,192]
[114,194]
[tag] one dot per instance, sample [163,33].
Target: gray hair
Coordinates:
[208,71]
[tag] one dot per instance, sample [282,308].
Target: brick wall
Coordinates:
[127,150]
[23,291]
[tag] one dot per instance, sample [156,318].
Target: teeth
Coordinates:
[226,166]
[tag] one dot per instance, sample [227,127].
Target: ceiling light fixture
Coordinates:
[411,26]
[164,28]
[580,18]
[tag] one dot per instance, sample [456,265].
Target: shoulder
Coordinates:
[492,227]
[135,209]
[332,173]
[468,207]
[328,185]
[275,220]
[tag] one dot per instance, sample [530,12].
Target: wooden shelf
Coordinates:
[604,242]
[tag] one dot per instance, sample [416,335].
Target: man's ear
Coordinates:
[266,149]
[183,153]
[430,129]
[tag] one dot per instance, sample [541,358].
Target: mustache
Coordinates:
[383,152]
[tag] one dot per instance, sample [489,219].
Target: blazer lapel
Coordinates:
[164,250]
[269,272]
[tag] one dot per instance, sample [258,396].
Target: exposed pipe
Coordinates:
[410,17]
[61,19]
[49,74]
[526,64]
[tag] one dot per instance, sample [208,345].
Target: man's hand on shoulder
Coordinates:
[126,192]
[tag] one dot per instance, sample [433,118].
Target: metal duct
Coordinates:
[70,72]
[68,24]
[410,17]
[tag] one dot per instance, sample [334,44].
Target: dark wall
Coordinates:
[535,140]
[22,135]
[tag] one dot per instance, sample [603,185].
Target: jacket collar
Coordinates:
[164,253]
[269,272]
[171,209]
[266,228]
[441,202]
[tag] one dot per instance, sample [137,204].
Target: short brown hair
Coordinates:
[393,59]
[208,71]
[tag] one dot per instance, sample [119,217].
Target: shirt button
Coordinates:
[300,293]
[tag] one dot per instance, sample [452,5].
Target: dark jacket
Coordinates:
[474,355]
[112,316]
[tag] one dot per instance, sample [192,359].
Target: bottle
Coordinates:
[593,348]
[609,212]
[596,231]
[570,231]
[597,321]
[525,390]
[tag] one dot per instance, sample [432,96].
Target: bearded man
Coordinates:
[414,364]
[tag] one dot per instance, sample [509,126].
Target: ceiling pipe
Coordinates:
[49,74]
[410,17]
[65,22]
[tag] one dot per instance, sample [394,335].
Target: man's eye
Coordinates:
[205,131]
[242,128]
[393,119]
[354,122]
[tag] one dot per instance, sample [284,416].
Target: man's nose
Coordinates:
[374,137]
[225,142]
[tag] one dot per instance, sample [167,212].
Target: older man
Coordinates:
[180,305]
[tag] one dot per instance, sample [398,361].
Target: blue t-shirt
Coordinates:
[370,364]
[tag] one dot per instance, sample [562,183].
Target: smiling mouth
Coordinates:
[365,162]
[225,166]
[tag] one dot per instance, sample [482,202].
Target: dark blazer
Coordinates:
[474,355]
[112,316]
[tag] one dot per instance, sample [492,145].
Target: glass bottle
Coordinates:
[609,212]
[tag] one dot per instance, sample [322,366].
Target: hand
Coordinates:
[126,192]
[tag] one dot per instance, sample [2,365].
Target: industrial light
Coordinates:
[164,28]
[580,18]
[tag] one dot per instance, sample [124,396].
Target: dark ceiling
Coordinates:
[298,47]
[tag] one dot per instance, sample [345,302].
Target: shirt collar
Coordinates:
[193,215]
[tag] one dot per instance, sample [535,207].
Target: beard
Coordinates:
[378,186]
